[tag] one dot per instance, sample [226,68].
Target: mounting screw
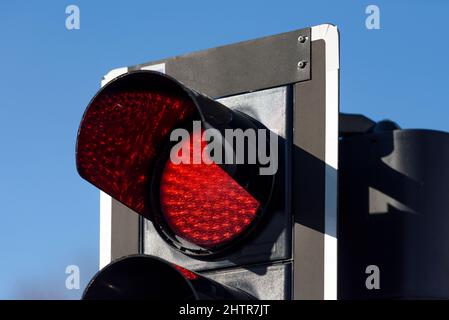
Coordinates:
[302,64]
[302,39]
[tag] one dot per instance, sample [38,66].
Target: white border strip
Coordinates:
[155,67]
[114,73]
[105,229]
[329,34]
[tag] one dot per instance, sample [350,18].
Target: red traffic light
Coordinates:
[124,147]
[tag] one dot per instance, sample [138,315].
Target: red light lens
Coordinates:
[120,136]
[189,275]
[201,203]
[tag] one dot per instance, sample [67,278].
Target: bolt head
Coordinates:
[302,39]
[302,64]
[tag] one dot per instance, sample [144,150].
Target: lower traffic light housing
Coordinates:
[141,277]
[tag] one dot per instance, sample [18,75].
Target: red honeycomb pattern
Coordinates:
[119,138]
[202,203]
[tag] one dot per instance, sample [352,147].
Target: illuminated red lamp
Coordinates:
[202,204]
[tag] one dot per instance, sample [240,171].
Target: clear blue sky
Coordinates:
[49,215]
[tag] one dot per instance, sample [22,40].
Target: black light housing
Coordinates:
[123,144]
[143,277]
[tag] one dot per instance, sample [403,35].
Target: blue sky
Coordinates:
[49,215]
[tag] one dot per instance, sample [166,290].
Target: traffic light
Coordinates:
[229,158]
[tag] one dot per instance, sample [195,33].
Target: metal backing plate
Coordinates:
[243,67]
[265,282]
